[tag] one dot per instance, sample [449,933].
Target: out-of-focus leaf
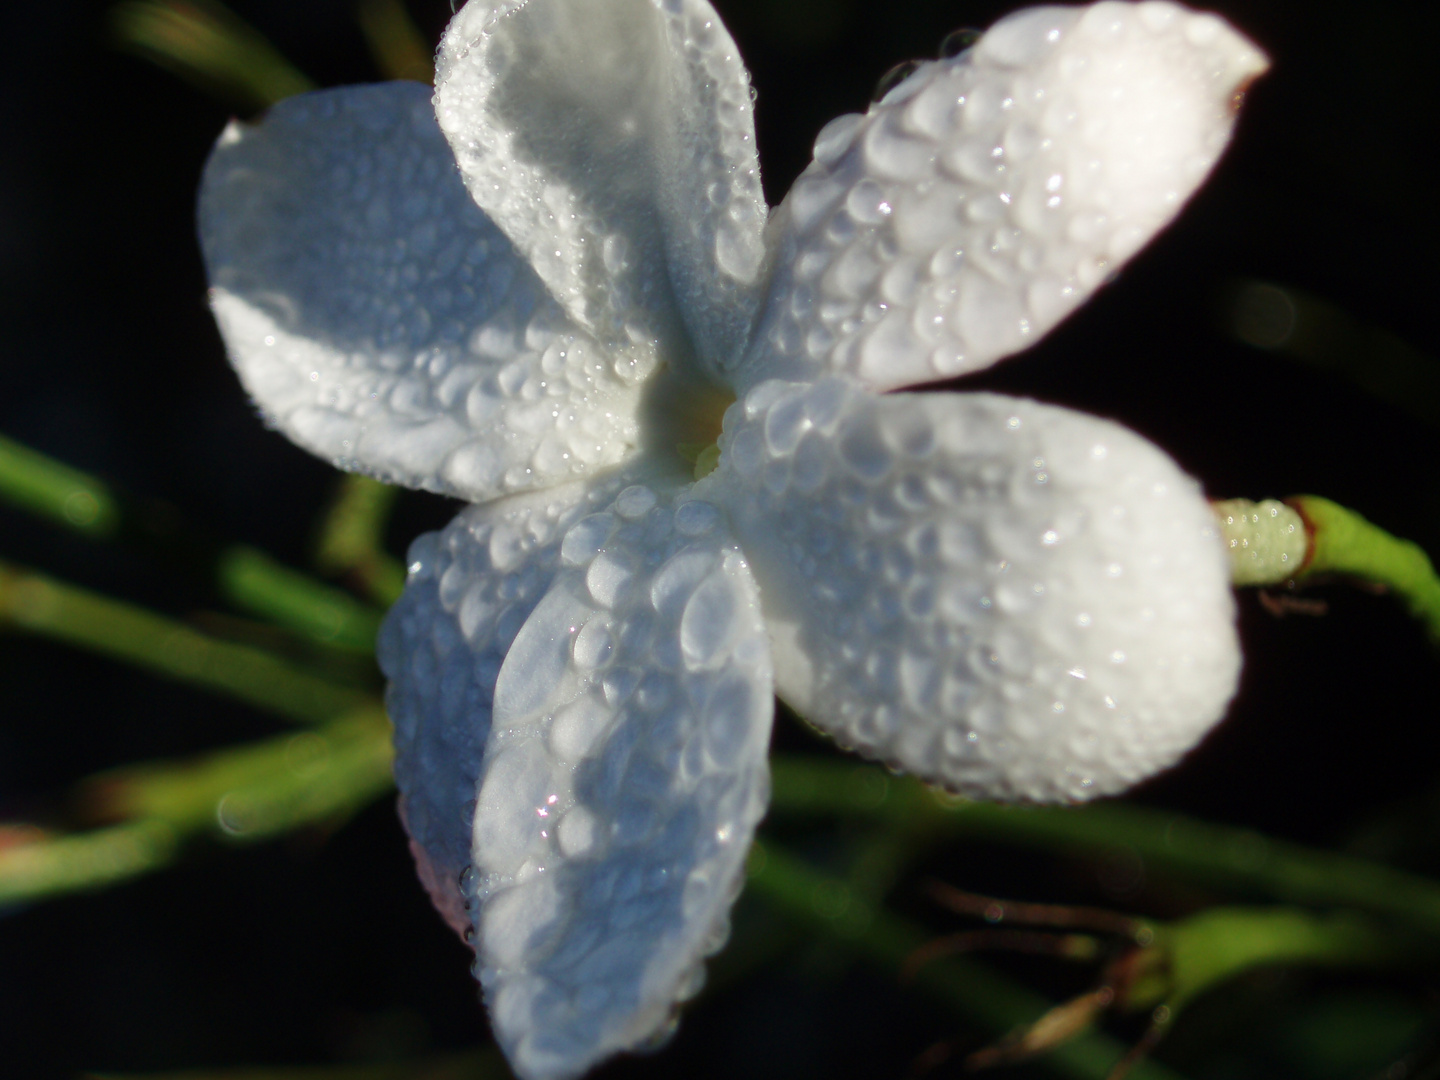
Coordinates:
[242,793]
[351,539]
[207,44]
[55,609]
[256,582]
[993,1002]
[66,496]
[1287,320]
[1218,856]
[400,50]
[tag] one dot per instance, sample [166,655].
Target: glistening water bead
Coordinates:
[957,41]
[893,78]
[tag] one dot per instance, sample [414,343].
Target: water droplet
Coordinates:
[709,622]
[862,449]
[836,137]
[894,77]
[593,645]
[695,518]
[635,502]
[957,41]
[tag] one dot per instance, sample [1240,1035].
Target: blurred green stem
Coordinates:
[92,860]
[42,605]
[245,793]
[66,496]
[1343,542]
[1189,957]
[830,907]
[352,539]
[205,43]
[399,49]
[255,582]
[245,576]
[1214,855]
[255,791]
[1288,320]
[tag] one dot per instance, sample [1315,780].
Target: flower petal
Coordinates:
[470,589]
[1010,599]
[382,321]
[987,196]
[611,140]
[624,770]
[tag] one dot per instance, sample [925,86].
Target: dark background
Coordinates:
[321,948]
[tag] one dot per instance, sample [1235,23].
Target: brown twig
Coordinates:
[1033,942]
[995,910]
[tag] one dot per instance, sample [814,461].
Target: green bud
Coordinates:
[1267,540]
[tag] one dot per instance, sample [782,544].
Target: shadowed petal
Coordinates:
[1010,599]
[987,196]
[623,777]
[612,140]
[382,321]
[471,587]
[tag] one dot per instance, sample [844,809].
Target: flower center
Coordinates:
[703,456]
[683,416]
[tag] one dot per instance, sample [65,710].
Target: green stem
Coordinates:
[1343,542]
[1213,854]
[66,496]
[245,576]
[880,858]
[1272,543]
[93,860]
[1195,954]
[243,793]
[256,791]
[352,539]
[205,43]
[257,583]
[1288,320]
[828,906]
[42,605]
[399,49]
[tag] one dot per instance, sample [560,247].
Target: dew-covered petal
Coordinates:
[380,320]
[1010,599]
[986,196]
[623,777]
[470,588]
[613,141]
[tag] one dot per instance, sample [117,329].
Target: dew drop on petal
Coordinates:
[894,77]
[957,41]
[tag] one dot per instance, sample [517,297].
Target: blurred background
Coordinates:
[320,949]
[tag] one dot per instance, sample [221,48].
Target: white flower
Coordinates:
[1007,598]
